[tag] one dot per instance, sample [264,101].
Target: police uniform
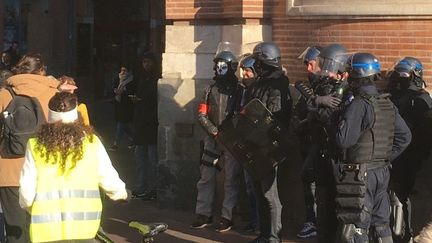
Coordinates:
[372,133]
[322,153]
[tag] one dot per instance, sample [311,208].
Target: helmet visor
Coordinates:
[332,66]
[311,53]
[234,48]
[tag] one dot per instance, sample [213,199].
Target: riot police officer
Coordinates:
[309,58]
[216,106]
[308,150]
[271,87]
[371,133]
[415,104]
[323,106]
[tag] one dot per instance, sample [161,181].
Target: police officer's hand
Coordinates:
[328,101]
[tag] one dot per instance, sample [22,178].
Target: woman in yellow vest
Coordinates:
[65,164]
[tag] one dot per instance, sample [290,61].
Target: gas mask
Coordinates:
[221,68]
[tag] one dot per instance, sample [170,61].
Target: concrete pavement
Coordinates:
[117,215]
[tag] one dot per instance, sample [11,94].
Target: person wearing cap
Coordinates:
[64,166]
[406,86]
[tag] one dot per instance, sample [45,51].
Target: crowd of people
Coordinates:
[53,163]
[359,144]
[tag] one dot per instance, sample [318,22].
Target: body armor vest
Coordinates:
[375,144]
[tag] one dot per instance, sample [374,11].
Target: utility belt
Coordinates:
[210,159]
[351,186]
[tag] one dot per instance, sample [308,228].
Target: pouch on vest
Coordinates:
[19,121]
[350,192]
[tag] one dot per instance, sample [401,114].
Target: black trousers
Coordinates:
[15,217]
[326,215]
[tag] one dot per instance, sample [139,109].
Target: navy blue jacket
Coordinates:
[358,116]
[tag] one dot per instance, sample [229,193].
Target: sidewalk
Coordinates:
[116,215]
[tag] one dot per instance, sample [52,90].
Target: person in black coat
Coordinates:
[145,126]
[123,106]
[272,88]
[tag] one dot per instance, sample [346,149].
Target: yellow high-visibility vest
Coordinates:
[66,206]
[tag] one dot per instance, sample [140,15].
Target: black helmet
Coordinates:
[225,60]
[332,59]
[268,53]
[407,66]
[248,61]
[225,56]
[407,72]
[362,65]
[311,53]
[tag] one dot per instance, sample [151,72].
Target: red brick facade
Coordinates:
[389,39]
[215,9]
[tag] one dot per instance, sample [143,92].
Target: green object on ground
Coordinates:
[143,228]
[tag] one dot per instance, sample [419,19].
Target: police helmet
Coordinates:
[407,66]
[225,62]
[248,62]
[332,59]
[362,65]
[311,53]
[268,53]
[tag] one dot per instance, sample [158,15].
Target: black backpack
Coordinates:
[19,121]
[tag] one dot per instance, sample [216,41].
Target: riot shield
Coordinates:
[255,138]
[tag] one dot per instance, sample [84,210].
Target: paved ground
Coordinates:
[117,215]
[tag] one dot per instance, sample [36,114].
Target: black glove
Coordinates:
[328,101]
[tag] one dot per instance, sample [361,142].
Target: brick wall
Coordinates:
[193,9]
[388,39]
[216,9]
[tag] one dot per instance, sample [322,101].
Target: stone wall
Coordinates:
[187,71]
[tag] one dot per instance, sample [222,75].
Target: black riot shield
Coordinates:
[255,138]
